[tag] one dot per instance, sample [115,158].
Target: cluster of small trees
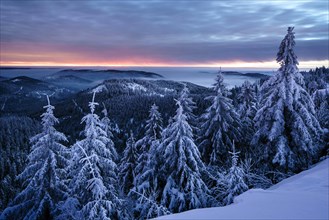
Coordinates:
[191,163]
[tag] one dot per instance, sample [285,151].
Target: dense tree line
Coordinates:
[15,133]
[175,153]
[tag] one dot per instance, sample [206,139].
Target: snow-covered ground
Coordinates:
[302,196]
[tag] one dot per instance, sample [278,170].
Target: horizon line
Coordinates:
[234,64]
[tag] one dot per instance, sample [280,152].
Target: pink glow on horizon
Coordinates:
[56,55]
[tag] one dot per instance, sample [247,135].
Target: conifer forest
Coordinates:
[136,148]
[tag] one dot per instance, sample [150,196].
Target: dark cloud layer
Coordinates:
[188,32]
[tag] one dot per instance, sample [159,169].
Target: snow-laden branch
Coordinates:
[88,161]
[163,209]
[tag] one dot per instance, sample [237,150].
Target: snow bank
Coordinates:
[302,196]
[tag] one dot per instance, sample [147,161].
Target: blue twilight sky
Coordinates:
[154,32]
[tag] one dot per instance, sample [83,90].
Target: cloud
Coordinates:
[180,31]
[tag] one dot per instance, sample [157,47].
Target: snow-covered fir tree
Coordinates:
[287,129]
[235,179]
[145,171]
[93,171]
[323,114]
[321,101]
[182,187]
[188,105]
[128,164]
[145,145]
[107,126]
[219,84]
[220,125]
[43,176]
[258,95]
[247,110]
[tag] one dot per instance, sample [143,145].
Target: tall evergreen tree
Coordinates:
[219,84]
[44,174]
[258,95]
[188,105]
[128,164]
[146,169]
[146,144]
[220,125]
[93,171]
[181,167]
[106,124]
[247,110]
[287,129]
[323,114]
[247,99]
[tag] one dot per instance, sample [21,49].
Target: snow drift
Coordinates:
[302,196]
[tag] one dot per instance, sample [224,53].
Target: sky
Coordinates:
[236,33]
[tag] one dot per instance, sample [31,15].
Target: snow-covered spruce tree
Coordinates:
[145,145]
[220,125]
[219,84]
[93,171]
[44,174]
[258,95]
[188,105]
[287,129]
[182,187]
[128,164]
[247,110]
[145,170]
[235,179]
[106,123]
[323,114]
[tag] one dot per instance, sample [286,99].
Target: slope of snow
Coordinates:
[302,196]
